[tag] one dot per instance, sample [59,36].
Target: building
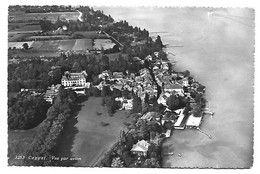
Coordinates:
[140,148]
[149,116]
[193,122]
[51,93]
[170,87]
[163,98]
[168,133]
[127,104]
[74,79]
[181,121]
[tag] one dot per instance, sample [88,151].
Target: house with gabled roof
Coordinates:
[170,87]
[163,98]
[140,148]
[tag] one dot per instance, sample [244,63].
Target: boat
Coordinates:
[98,113]
[168,154]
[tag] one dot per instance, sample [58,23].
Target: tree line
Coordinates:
[26,112]
[51,129]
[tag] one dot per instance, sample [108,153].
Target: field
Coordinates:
[72,44]
[33,53]
[41,16]
[18,142]
[13,37]
[55,37]
[23,26]
[67,44]
[18,45]
[91,34]
[83,44]
[92,138]
[105,44]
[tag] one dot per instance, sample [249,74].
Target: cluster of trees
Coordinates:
[32,74]
[91,21]
[143,50]
[41,9]
[124,32]
[142,129]
[137,104]
[108,99]
[26,112]
[51,129]
[35,74]
[176,102]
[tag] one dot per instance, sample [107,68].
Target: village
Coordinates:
[158,99]
[143,86]
[158,82]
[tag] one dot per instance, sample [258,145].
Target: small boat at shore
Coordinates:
[168,154]
[98,113]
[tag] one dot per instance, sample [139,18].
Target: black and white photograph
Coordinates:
[100,86]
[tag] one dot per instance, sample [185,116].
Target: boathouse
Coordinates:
[193,122]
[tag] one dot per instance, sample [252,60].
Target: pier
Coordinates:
[210,137]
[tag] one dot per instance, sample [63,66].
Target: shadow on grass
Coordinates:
[65,143]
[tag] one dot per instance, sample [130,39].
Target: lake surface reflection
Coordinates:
[218,49]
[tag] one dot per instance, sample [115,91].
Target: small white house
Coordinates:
[178,124]
[140,148]
[193,122]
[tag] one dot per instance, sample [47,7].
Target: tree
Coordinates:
[137,104]
[25,46]
[146,99]
[117,162]
[173,102]
[197,111]
[27,113]
[106,91]
[186,73]
[158,42]
[76,67]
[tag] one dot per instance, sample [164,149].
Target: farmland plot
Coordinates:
[18,45]
[49,16]
[37,45]
[67,44]
[50,45]
[105,44]
[90,34]
[56,37]
[14,37]
[83,44]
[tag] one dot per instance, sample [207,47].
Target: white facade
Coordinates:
[74,79]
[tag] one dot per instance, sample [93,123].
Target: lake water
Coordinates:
[218,49]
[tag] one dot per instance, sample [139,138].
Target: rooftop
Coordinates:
[141,146]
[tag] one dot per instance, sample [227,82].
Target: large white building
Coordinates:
[74,79]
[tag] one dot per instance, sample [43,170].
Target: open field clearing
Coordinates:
[105,44]
[57,45]
[83,44]
[15,37]
[18,45]
[26,27]
[50,45]
[41,16]
[66,44]
[18,143]
[92,139]
[91,34]
[33,53]
[56,37]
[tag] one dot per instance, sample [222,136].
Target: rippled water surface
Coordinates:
[217,46]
